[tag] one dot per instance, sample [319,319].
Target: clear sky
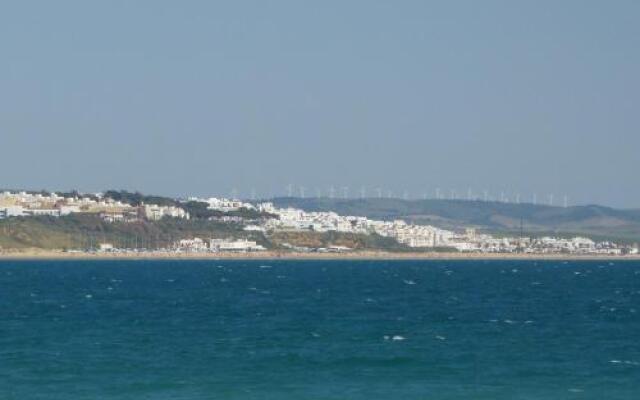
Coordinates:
[200,97]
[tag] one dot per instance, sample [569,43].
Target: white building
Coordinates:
[105,247]
[12,211]
[155,213]
[241,245]
[195,244]
[224,205]
[34,212]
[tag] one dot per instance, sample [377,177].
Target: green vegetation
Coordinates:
[84,231]
[199,210]
[196,209]
[328,239]
[137,198]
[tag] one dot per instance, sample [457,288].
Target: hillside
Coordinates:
[81,231]
[86,231]
[594,221]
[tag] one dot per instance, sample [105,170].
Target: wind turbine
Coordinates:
[301,188]
[345,192]
[290,190]
[363,192]
[566,201]
[379,190]
[551,199]
[332,192]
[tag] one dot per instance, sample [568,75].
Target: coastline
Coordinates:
[35,254]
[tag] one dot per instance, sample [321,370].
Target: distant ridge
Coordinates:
[590,220]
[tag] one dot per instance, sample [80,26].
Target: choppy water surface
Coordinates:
[319,330]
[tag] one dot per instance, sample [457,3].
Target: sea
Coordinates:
[331,329]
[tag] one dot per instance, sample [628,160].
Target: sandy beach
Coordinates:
[272,255]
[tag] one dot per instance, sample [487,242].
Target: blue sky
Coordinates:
[201,97]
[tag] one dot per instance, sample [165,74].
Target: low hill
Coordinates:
[594,221]
[87,231]
[83,231]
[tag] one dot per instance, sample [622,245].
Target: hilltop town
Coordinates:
[232,225]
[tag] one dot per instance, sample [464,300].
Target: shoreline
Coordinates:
[271,255]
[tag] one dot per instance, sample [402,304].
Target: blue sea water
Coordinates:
[221,329]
